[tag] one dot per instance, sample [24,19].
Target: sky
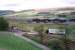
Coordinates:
[18,5]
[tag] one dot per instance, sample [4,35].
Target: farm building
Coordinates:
[56,31]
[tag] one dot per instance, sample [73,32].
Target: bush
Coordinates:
[3,24]
[56,45]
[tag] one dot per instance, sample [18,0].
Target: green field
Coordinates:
[11,42]
[31,26]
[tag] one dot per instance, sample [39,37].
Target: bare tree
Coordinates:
[42,34]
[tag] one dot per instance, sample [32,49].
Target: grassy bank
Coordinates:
[11,42]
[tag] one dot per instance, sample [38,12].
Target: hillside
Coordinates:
[69,11]
[11,42]
[6,12]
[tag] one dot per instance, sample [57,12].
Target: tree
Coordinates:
[42,34]
[3,24]
[65,38]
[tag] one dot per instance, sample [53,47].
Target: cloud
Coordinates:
[11,5]
[34,4]
[71,2]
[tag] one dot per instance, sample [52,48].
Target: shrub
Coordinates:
[56,45]
[3,24]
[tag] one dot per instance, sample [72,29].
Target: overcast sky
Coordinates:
[34,4]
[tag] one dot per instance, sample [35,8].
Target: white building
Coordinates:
[56,31]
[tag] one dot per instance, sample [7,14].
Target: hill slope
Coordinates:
[11,42]
[6,12]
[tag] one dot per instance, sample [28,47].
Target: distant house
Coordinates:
[56,31]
